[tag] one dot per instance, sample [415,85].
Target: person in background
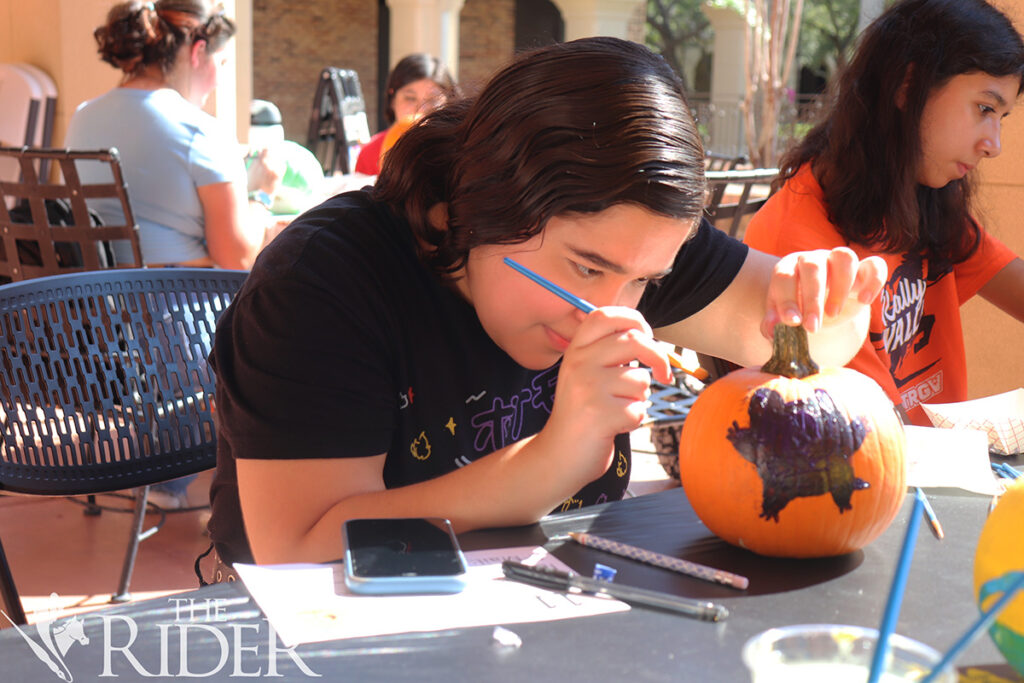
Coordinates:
[382,360]
[187,181]
[889,171]
[416,85]
[302,183]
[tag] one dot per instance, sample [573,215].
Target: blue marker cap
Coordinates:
[604,573]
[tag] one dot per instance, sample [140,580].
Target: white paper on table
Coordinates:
[1000,416]
[308,603]
[955,458]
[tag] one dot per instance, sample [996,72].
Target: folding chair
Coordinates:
[104,386]
[723,185]
[46,228]
[338,126]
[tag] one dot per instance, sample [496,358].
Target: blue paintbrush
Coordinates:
[899,584]
[980,624]
[674,358]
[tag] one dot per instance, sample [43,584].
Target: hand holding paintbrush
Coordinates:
[674,359]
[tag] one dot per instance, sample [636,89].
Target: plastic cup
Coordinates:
[812,653]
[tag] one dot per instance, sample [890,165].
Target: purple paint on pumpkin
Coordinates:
[801,448]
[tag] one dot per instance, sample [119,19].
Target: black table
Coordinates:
[640,644]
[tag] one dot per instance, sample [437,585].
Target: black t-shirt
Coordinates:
[342,344]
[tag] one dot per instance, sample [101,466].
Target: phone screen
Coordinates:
[402,547]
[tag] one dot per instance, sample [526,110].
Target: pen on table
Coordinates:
[675,564]
[933,520]
[673,358]
[553,579]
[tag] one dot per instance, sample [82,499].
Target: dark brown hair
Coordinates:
[138,34]
[570,128]
[416,67]
[866,148]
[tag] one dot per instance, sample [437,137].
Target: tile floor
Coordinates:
[53,547]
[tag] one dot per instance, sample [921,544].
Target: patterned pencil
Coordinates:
[675,564]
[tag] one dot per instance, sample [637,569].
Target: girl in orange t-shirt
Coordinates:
[888,172]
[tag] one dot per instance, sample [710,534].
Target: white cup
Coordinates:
[813,653]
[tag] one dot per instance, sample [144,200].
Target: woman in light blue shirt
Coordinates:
[186,179]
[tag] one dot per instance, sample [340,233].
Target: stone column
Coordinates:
[430,26]
[728,80]
[600,18]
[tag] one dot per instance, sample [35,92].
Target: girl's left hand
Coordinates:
[822,288]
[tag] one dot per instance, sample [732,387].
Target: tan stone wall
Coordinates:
[486,40]
[294,41]
[995,350]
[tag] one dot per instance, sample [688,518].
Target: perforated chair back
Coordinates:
[46,228]
[732,198]
[338,126]
[104,385]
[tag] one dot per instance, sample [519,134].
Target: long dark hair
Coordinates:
[416,67]
[570,128]
[865,149]
[138,34]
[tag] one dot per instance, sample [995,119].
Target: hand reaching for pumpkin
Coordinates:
[823,288]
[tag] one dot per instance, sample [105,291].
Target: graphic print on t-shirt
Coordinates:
[500,421]
[420,447]
[903,317]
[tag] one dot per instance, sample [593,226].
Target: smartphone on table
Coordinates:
[402,555]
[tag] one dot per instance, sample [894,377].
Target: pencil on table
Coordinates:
[675,564]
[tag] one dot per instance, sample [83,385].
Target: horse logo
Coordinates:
[57,639]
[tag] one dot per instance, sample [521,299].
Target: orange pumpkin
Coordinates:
[791,461]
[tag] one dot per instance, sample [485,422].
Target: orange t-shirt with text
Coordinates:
[915,344]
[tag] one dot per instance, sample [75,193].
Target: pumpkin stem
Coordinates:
[790,354]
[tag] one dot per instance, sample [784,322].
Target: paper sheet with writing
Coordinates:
[956,458]
[308,603]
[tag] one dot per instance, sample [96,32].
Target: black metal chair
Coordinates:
[46,228]
[337,123]
[104,386]
[714,161]
[737,187]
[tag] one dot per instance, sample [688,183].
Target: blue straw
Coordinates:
[983,622]
[579,303]
[899,584]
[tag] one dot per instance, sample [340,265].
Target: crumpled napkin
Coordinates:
[1001,416]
